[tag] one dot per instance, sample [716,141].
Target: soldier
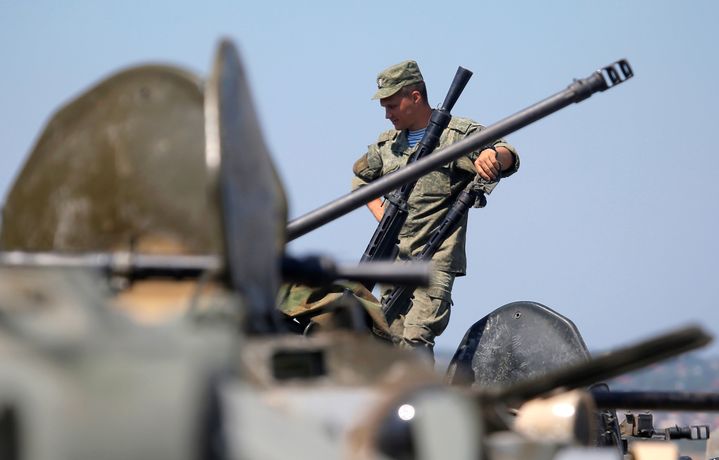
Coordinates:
[403,95]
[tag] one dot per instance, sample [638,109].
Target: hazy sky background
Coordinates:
[612,219]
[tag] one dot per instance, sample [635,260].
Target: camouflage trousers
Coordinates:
[429,314]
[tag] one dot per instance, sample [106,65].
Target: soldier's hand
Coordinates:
[487,165]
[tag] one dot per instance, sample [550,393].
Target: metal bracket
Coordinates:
[396,199]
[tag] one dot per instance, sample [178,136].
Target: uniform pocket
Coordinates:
[441,301]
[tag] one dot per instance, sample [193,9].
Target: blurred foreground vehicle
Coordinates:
[144,248]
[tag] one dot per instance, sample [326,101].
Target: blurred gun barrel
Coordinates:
[134,266]
[311,270]
[321,270]
[657,400]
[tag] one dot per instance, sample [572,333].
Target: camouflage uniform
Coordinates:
[428,204]
[296,300]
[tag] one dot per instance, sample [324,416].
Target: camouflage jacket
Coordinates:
[433,194]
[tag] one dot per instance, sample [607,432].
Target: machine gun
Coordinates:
[555,407]
[383,245]
[642,425]
[540,395]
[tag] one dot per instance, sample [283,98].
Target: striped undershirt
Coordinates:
[415,136]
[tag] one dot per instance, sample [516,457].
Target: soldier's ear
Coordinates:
[416,97]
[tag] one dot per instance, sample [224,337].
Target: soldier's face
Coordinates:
[401,110]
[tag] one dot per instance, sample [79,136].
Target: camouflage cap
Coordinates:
[394,78]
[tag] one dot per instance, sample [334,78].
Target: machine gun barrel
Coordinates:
[309,270]
[657,400]
[384,240]
[134,266]
[600,80]
[321,270]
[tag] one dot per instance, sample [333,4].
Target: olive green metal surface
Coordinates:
[120,168]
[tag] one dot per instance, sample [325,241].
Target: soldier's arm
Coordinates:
[376,207]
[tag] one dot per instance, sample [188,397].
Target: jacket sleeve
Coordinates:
[466,163]
[367,168]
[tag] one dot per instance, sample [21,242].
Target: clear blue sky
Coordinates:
[612,219]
